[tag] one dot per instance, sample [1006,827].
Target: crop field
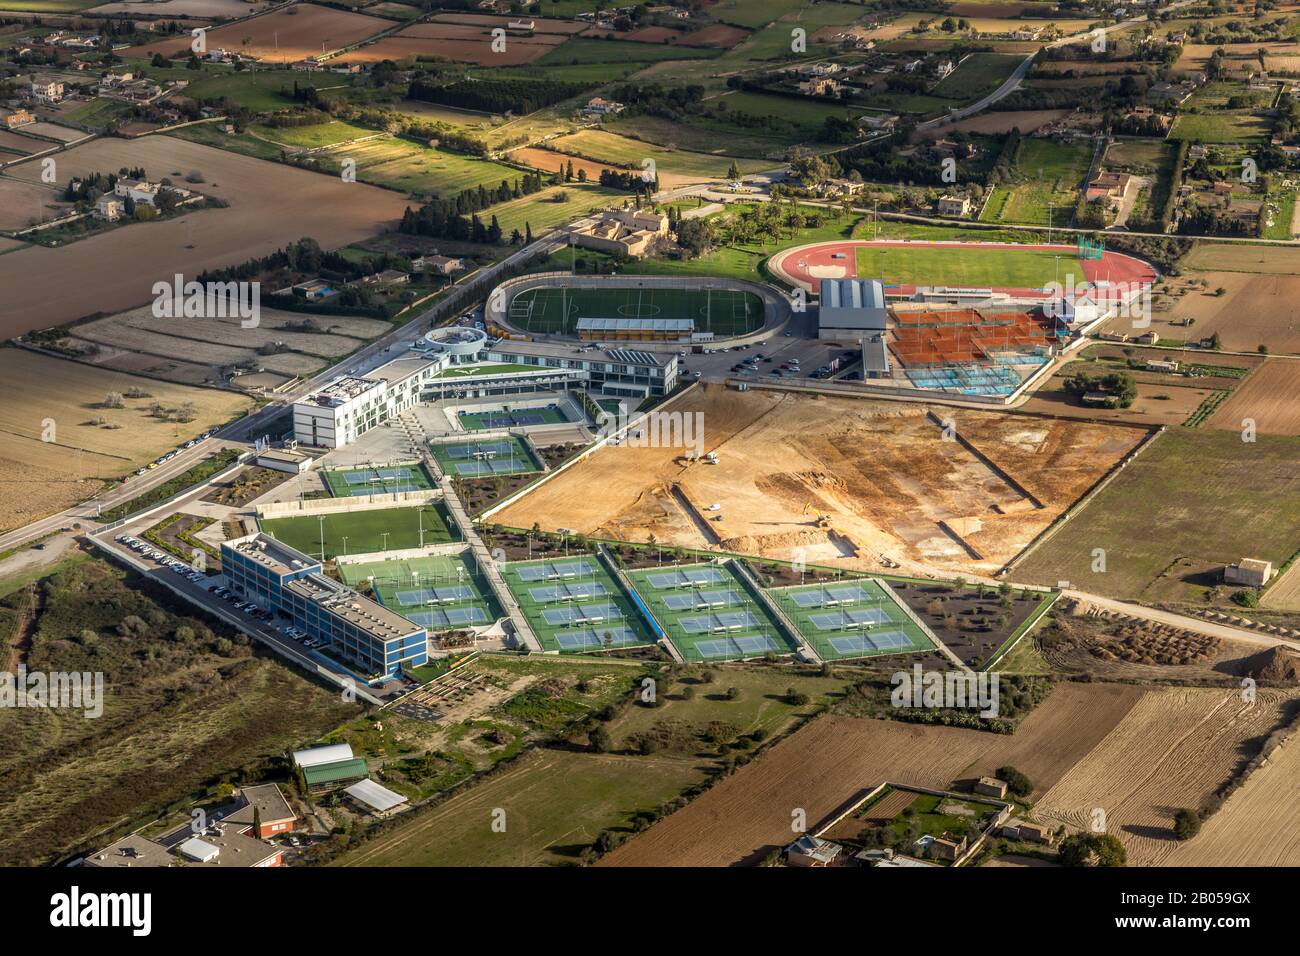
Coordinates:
[709,614]
[556,801]
[555,206]
[45,6]
[673,166]
[977,75]
[195,353]
[1270,399]
[1253,309]
[484,458]
[1201,499]
[353,482]
[1172,750]
[284,36]
[415,168]
[574,605]
[61,401]
[197,9]
[438,592]
[557,311]
[1050,174]
[851,619]
[466,38]
[880,472]
[24,204]
[835,759]
[333,133]
[362,532]
[270,205]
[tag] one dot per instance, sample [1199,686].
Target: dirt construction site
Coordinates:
[846,481]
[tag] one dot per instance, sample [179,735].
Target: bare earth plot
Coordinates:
[1254,310]
[24,204]
[271,205]
[1270,398]
[836,759]
[1259,825]
[881,473]
[285,36]
[138,341]
[1173,750]
[41,477]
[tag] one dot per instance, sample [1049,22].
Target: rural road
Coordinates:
[1156,616]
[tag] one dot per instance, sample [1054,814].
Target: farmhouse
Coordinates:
[18,117]
[946,848]
[46,90]
[991,787]
[629,232]
[1251,572]
[137,190]
[956,207]
[878,121]
[599,106]
[109,208]
[1107,186]
[809,850]
[439,265]
[820,86]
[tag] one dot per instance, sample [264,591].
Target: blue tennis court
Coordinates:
[831,594]
[701,600]
[851,618]
[726,621]
[747,646]
[873,643]
[550,594]
[552,570]
[441,619]
[685,578]
[586,614]
[591,639]
[441,595]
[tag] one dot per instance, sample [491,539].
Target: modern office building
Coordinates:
[373,642]
[460,362]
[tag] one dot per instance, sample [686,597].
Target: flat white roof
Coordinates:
[314,756]
[379,798]
[196,849]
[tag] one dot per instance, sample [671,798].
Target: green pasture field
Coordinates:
[542,212]
[46,6]
[820,601]
[352,482]
[584,50]
[978,75]
[747,641]
[604,617]
[312,137]
[759,13]
[391,529]
[1010,267]
[550,310]
[1049,174]
[457,458]
[98,112]
[1192,502]
[1240,126]
[415,168]
[393,581]
[607,147]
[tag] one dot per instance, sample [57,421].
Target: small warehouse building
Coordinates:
[849,309]
[375,798]
[1251,572]
[331,776]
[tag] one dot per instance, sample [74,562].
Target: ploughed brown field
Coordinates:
[835,760]
[285,36]
[1270,398]
[271,205]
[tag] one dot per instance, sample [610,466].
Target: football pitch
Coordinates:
[708,614]
[574,605]
[485,458]
[1010,267]
[362,532]
[852,618]
[556,311]
[351,482]
[438,592]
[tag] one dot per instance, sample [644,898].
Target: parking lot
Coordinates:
[795,355]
